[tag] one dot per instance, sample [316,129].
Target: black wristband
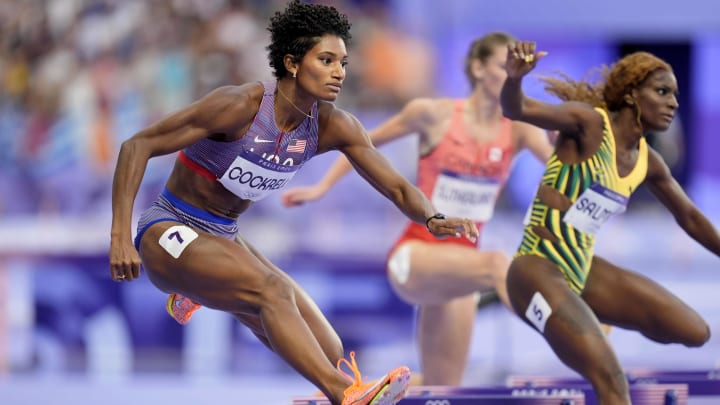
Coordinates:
[436,216]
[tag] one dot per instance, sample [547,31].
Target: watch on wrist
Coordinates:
[436,216]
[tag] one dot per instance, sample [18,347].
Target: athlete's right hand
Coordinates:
[455,227]
[296,196]
[124,261]
[522,58]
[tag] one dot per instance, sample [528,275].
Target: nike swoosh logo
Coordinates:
[258,140]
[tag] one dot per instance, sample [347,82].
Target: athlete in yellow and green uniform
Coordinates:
[581,182]
[555,282]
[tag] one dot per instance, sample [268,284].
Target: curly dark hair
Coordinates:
[618,80]
[297,29]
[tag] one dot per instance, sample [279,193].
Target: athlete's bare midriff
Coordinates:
[204,193]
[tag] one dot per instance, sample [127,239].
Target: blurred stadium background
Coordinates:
[77,77]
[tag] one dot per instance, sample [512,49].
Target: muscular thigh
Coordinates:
[630,300]
[541,296]
[537,289]
[428,273]
[449,258]
[306,305]
[211,270]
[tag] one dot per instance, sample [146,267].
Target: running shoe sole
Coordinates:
[395,390]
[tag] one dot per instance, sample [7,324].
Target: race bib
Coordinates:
[594,207]
[251,177]
[176,238]
[465,196]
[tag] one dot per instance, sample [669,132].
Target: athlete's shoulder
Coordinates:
[522,131]
[229,106]
[656,166]
[427,105]
[338,128]
[520,126]
[248,93]
[427,111]
[328,111]
[336,120]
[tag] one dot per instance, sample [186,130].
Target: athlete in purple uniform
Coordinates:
[237,145]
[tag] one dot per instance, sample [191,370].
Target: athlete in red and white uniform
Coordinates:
[463,175]
[466,148]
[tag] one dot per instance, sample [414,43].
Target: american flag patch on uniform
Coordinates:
[297,145]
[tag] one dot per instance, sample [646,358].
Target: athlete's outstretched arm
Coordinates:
[569,117]
[664,186]
[219,111]
[411,119]
[350,138]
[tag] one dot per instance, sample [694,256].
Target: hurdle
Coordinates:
[647,387]
[701,383]
[440,395]
[643,392]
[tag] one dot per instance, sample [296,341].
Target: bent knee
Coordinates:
[700,337]
[499,264]
[694,335]
[276,288]
[502,262]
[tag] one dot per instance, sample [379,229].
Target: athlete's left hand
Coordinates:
[522,57]
[297,196]
[456,227]
[124,260]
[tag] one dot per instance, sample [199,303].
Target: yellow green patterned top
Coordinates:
[596,191]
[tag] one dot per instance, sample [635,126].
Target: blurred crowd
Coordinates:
[77,77]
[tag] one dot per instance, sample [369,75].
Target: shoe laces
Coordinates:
[356,378]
